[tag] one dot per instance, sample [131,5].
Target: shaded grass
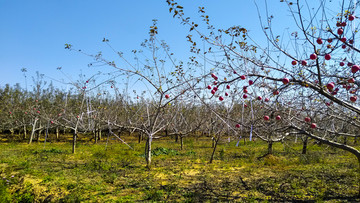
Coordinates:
[115,173]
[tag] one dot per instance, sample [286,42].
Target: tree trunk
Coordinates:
[24,131]
[213,142]
[39,132]
[74,141]
[181,142]
[33,131]
[139,137]
[176,138]
[355,140]
[270,148]
[99,134]
[39,135]
[345,140]
[305,142]
[148,151]
[215,145]
[57,133]
[95,136]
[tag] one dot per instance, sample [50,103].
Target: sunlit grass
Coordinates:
[114,172]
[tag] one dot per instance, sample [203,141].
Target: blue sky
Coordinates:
[33,33]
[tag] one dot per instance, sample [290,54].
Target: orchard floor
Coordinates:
[115,173]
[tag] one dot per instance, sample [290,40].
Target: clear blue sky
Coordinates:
[33,33]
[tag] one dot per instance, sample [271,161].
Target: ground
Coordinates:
[112,172]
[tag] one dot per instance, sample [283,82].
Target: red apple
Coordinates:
[313,125]
[353,98]
[167,96]
[226,94]
[278,118]
[327,56]
[227,86]
[209,87]
[313,56]
[355,68]
[351,80]
[285,81]
[251,82]
[319,41]
[329,40]
[303,62]
[351,41]
[293,63]
[10,112]
[221,98]
[245,105]
[342,63]
[237,126]
[213,75]
[266,118]
[351,17]
[38,111]
[343,39]
[245,96]
[52,122]
[276,92]
[243,77]
[245,91]
[87,81]
[235,72]
[215,82]
[267,99]
[340,31]
[259,98]
[343,24]
[215,88]
[343,46]
[213,91]
[350,64]
[307,119]
[330,86]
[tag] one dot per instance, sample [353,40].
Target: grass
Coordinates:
[115,173]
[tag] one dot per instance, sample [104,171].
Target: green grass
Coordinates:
[51,173]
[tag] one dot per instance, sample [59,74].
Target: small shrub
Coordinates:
[163,151]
